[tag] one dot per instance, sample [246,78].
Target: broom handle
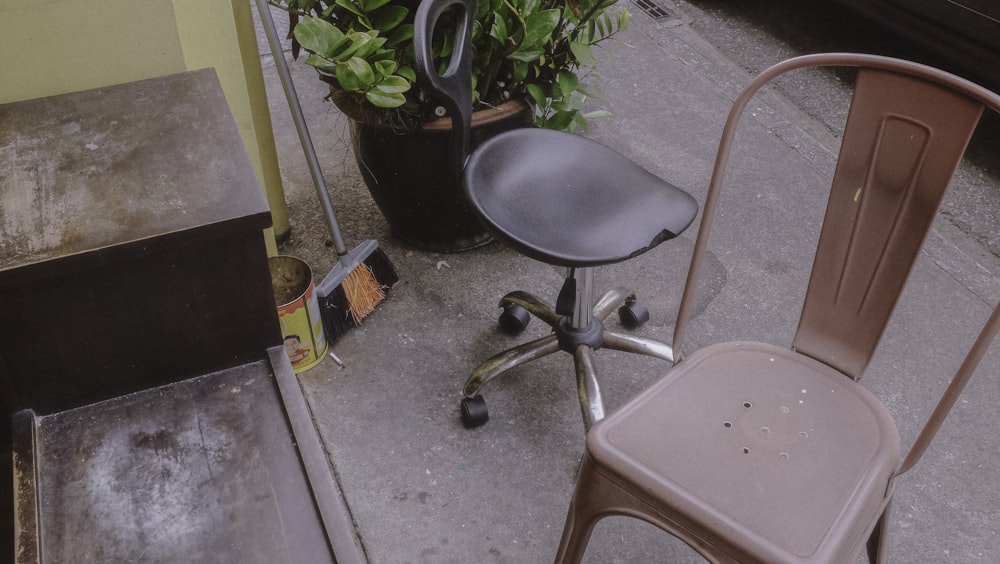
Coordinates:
[300,125]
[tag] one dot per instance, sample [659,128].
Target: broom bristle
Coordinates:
[363,292]
[357,294]
[382,268]
[334,311]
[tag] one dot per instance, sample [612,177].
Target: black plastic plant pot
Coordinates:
[413,182]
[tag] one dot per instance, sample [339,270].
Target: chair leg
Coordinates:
[591,403]
[586,508]
[508,359]
[877,542]
[575,329]
[534,305]
[594,498]
[611,300]
[638,345]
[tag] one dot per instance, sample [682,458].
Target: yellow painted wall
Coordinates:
[50,47]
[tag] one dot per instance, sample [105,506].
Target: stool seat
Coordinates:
[569,201]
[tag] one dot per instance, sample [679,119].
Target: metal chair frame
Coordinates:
[723,452]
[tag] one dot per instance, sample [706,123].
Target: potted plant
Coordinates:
[530,62]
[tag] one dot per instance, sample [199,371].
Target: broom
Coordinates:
[356,283]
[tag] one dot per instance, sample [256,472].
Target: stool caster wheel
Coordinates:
[514,319]
[474,412]
[633,314]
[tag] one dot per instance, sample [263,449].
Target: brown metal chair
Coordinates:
[750,452]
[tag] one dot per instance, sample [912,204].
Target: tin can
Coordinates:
[298,312]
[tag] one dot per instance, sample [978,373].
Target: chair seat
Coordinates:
[566,200]
[798,454]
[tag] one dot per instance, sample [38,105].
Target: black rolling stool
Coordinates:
[561,199]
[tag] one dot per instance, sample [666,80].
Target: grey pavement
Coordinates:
[421,488]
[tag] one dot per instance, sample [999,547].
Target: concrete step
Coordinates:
[204,469]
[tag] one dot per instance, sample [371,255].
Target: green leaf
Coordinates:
[358,41]
[482,8]
[560,120]
[393,85]
[498,30]
[582,52]
[407,73]
[536,94]
[339,46]
[347,78]
[623,20]
[399,35]
[369,47]
[321,64]
[382,55]
[520,71]
[538,28]
[580,121]
[591,92]
[526,55]
[318,36]
[355,75]
[384,100]
[567,82]
[351,7]
[360,67]
[370,6]
[384,67]
[388,18]
[444,53]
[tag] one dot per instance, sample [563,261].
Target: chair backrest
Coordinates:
[453,88]
[906,131]
[904,137]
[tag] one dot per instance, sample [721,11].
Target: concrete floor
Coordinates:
[421,488]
